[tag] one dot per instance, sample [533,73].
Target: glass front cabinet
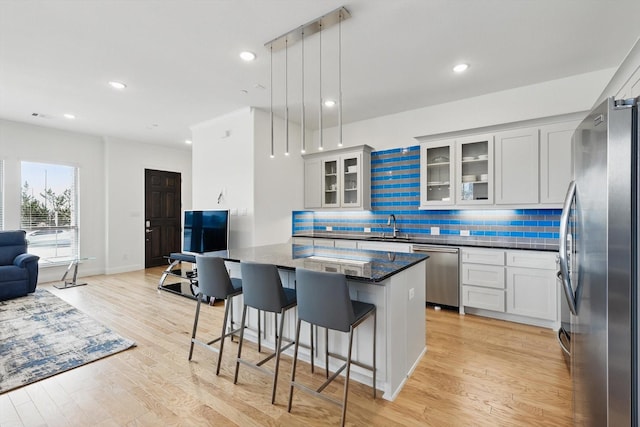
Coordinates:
[474,172]
[344,181]
[437,173]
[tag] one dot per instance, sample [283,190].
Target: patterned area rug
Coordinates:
[41,335]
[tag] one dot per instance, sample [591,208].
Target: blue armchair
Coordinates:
[18,269]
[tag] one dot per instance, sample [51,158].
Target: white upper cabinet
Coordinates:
[339,179]
[517,173]
[556,168]
[474,170]
[437,160]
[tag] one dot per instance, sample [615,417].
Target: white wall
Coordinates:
[222,158]
[111,185]
[552,98]
[125,162]
[240,164]
[279,182]
[23,142]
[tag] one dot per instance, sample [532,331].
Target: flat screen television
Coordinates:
[205,231]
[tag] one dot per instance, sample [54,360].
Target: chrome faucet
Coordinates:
[395,229]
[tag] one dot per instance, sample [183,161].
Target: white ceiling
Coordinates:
[180,58]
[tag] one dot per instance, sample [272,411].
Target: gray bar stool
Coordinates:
[263,290]
[214,282]
[323,300]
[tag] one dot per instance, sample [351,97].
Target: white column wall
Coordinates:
[279,182]
[223,163]
[125,162]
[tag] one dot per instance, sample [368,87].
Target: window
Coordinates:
[49,210]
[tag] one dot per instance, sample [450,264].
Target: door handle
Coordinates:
[148,231]
[564,348]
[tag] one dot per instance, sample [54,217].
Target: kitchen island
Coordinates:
[394,282]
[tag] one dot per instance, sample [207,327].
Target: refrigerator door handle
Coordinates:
[563,274]
[561,333]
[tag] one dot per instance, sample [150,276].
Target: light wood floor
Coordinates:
[477,372]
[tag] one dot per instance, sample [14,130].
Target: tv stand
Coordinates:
[188,284]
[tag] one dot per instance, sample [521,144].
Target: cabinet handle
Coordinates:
[563,274]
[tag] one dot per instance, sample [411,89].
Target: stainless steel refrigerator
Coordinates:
[599,265]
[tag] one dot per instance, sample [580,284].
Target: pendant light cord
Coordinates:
[340,80]
[271,99]
[320,147]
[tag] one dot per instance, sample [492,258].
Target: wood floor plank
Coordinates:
[476,372]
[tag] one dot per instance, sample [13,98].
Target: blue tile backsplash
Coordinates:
[395,189]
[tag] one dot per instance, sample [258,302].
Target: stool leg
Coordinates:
[227,305]
[312,355]
[375,322]
[195,325]
[259,338]
[293,369]
[326,352]
[346,379]
[244,317]
[278,351]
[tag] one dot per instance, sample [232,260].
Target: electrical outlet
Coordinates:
[435,231]
[329,228]
[412,293]
[367,229]
[465,233]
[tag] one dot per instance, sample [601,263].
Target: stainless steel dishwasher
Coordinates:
[442,284]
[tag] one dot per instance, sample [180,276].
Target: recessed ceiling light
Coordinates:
[329,103]
[460,68]
[187,141]
[247,56]
[69,116]
[117,85]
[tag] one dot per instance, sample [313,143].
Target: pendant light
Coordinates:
[340,79]
[320,144]
[302,118]
[271,99]
[299,34]
[286,97]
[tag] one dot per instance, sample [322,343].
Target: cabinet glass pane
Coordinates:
[350,180]
[331,182]
[475,171]
[438,173]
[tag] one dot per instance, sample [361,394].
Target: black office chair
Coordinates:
[323,300]
[214,282]
[263,290]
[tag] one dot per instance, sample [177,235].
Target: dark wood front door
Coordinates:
[163,209]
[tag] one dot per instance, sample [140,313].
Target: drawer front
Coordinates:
[486,298]
[349,244]
[303,241]
[491,276]
[483,256]
[531,259]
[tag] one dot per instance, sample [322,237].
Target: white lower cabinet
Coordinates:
[489,299]
[514,285]
[532,292]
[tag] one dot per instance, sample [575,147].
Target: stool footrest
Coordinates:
[353,362]
[316,393]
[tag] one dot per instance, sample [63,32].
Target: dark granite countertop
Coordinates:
[456,241]
[356,264]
